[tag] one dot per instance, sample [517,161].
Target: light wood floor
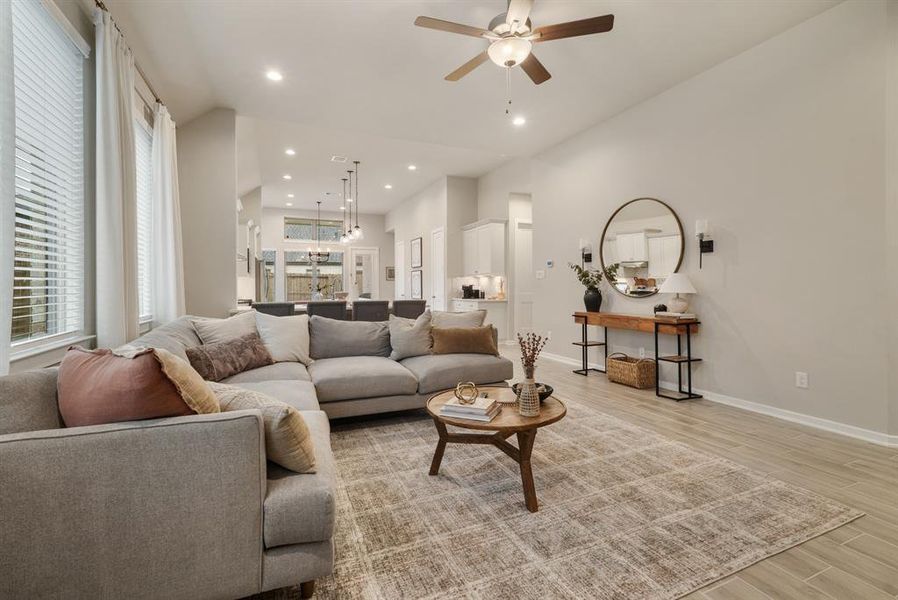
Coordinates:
[857,561]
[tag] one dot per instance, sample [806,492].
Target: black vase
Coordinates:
[593,300]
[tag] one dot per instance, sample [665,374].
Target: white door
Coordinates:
[437,270]
[364,272]
[399,258]
[523,277]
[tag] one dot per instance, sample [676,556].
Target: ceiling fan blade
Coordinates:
[574,28]
[518,10]
[535,70]
[439,24]
[467,67]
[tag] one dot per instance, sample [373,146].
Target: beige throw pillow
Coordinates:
[288,441]
[211,331]
[287,338]
[470,318]
[194,390]
[410,337]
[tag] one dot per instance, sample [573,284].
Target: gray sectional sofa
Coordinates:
[188,507]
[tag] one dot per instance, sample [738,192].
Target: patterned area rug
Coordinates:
[624,513]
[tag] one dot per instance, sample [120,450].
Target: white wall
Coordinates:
[207,173]
[493,188]
[372,226]
[782,149]
[252,211]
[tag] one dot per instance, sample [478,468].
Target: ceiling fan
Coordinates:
[511,37]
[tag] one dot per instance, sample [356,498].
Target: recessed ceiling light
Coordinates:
[274,75]
[412,168]
[342,208]
[289,204]
[288,177]
[388,187]
[290,152]
[290,195]
[518,121]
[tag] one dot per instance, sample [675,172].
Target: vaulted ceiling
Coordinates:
[360,80]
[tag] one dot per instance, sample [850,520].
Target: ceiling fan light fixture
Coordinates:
[509,51]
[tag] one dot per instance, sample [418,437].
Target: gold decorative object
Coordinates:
[466,392]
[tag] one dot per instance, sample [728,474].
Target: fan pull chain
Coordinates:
[508,91]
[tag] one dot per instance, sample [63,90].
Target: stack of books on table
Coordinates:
[672,316]
[483,409]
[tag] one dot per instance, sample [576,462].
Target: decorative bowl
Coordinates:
[544,390]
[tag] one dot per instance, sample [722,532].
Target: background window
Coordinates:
[303,229]
[48,281]
[143,146]
[302,278]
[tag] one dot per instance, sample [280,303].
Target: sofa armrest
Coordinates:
[164,508]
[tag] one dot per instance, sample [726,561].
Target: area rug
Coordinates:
[624,513]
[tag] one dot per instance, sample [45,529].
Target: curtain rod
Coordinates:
[146,80]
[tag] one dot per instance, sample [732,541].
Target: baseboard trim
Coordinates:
[867,435]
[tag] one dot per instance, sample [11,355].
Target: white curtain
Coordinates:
[116,208]
[7,183]
[168,264]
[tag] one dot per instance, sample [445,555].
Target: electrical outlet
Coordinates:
[642,353]
[801,379]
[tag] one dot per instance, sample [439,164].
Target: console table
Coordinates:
[645,324]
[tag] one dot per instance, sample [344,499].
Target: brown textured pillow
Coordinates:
[222,359]
[288,441]
[98,386]
[464,340]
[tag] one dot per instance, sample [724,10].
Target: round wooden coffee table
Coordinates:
[507,423]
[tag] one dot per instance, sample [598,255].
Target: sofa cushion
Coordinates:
[300,508]
[298,394]
[437,372]
[220,360]
[28,402]
[175,336]
[287,338]
[464,340]
[211,330]
[288,441]
[468,318]
[97,387]
[332,338]
[354,377]
[285,371]
[410,337]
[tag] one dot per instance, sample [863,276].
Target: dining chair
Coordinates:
[332,309]
[278,309]
[371,310]
[409,309]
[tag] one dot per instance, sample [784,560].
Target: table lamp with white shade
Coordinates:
[677,283]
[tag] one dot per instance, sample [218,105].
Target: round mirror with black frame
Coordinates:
[642,244]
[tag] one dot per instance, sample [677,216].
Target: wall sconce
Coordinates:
[585,251]
[705,244]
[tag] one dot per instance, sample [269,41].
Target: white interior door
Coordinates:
[437,269]
[523,276]
[399,258]
[365,271]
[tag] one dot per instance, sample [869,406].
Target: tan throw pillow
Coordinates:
[288,441]
[287,338]
[98,386]
[469,318]
[219,360]
[464,340]
[211,331]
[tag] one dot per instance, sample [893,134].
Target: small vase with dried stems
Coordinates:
[528,399]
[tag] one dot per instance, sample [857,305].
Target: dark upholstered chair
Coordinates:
[370,310]
[278,309]
[332,309]
[410,309]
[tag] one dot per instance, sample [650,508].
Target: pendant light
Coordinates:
[344,237]
[317,256]
[357,233]
[349,201]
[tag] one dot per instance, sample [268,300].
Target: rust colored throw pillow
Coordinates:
[99,386]
[219,360]
[288,441]
[464,340]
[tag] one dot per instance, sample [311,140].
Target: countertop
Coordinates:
[479,300]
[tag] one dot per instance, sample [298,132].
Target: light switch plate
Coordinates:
[540,274]
[801,379]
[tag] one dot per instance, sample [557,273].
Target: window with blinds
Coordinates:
[143,146]
[48,282]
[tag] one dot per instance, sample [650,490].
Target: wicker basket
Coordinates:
[635,372]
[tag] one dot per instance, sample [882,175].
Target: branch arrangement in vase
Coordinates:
[531,345]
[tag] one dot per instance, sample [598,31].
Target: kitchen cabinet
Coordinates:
[664,252]
[631,247]
[483,248]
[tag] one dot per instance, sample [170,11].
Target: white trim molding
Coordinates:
[868,435]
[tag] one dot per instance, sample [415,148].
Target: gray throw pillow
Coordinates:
[332,338]
[470,318]
[410,337]
[211,331]
[287,338]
